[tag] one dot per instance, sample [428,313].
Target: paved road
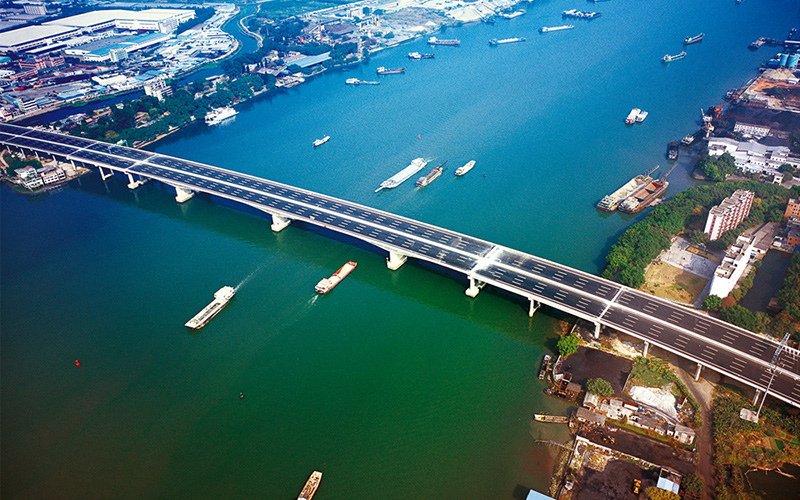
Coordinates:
[729,350]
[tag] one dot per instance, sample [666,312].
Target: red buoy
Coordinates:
[77,363]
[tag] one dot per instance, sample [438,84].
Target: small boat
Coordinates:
[548,29]
[390,71]
[435,41]
[672,150]
[320,142]
[631,118]
[418,56]
[545,365]
[551,419]
[311,486]
[693,39]
[688,139]
[356,81]
[669,58]
[641,116]
[325,285]
[466,168]
[512,15]
[495,41]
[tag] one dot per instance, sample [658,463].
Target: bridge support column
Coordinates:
[474,287]
[755,398]
[133,183]
[597,330]
[533,307]
[103,175]
[279,223]
[646,347]
[395,260]
[183,194]
[697,372]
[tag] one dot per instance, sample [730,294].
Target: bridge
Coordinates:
[691,334]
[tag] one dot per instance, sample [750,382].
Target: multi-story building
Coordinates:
[732,268]
[728,214]
[35,9]
[793,233]
[751,156]
[29,177]
[757,131]
[51,175]
[792,209]
[158,88]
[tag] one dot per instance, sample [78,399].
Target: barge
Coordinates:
[221,299]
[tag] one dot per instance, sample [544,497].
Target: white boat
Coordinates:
[631,118]
[320,142]
[512,15]
[548,29]
[392,182]
[218,115]
[466,168]
[641,116]
[221,298]
[495,41]
[356,81]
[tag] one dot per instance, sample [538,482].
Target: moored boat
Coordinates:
[610,202]
[311,486]
[320,142]
[325,285]
[693,39]
[465,168]
[669,58]
[416,165]
[672,150]
[550,419]
[221,299]
[545,365]
[218,115]
[432,175]
[688,139]
[435,41]
[382,70]
[512,15]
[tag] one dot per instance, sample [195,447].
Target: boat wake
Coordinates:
[248,278]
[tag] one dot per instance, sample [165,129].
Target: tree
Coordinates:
[712,303]
[600,387]
[655,493]
[568,344]
[693,484]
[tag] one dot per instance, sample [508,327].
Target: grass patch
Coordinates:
[651,372]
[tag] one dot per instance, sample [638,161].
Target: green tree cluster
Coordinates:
[712,302]
[641,243]
[600,386]
[654,493]
[788,320]
[14,163]
[717,168]
[739,316]
[568,344]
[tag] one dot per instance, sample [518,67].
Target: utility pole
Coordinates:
[773,368]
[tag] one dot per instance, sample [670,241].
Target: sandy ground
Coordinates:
[674,283]
[679,256]
[661,454]
[589,363]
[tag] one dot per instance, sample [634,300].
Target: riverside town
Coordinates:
[589,290]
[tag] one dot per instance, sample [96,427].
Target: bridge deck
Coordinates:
[727,349]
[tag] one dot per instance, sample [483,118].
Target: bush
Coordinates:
[654,493]
[600,387]
[568,344]
[712,303]
[693,484]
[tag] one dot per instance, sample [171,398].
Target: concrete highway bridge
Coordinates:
[693,335]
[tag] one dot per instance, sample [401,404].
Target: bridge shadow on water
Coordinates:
[252,227]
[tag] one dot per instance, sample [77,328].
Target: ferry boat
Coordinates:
[610,202]
[641,116]
[693,39]
[465,168]
[672,150]
[320,142]
[416,165]
[218,115]
[631,118]
[221,299]
[356,81]
[495,41]
[311,486]
[417,56]
[545,364]
[325,285]
[390,71]
[427,179]
[669,58]
[579,14]
[435,41]
[548,29]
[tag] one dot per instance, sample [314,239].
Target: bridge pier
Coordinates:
[597,330]
[755,398]
[103,175]
[132,183]
[646,347]
[533,307]
[183,194]
[395,260]
[697,372]
[279,223]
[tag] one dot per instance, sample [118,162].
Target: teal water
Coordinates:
[396,382]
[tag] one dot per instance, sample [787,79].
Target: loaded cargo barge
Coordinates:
[610,202]
[311,486]
[221,299]
[392,182]
[325,285]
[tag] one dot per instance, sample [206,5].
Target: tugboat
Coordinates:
[693,39]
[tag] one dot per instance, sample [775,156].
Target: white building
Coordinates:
[35,9]
[728,214]
[732,268]
[757,131]
[751,156]
[51,175]
[158,88]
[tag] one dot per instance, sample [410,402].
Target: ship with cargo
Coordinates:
[435,41]
[221,299]
[693,39]
[645,196]
[325,285]
[418,56]
[392,182]
[548,29]
[669,58]
[610,202]
[382,70]
[579,14]
[311,486]
[495,41]
[432,175]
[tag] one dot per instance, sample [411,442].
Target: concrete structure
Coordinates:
[669,480]
[792,209]
[757,131]
[732,351]
[793,233]
[751,156]
[51,175]
[158,88]
[35,9]
[683,434]
[30,178]
[732,268]
[728,214]
[590,417]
